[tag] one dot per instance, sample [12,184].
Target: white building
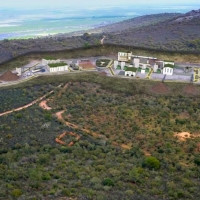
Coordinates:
[19,71]
[116,63]
[60,67]
[123,65]
[155,68]
[130,71]
[168,68]
[136,62]
[143,60]
[55,65]
[124,57]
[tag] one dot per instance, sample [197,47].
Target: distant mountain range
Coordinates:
[166,32]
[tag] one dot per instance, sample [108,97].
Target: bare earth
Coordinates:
[43,104]
[190,89]
[160,88]
[184,135]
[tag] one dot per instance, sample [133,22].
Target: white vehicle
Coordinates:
[36,70]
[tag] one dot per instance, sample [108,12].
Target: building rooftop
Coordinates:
[57,64]
[169,61]
[169,65]
[132,69]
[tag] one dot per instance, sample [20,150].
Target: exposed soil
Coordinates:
[43,104]
[86,64]
[160,88]
[190,89]
[64,88]
[9,76]
[146,153]
[183,136]
[59,139]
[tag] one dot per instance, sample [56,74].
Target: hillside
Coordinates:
[166,32]
[180,33]
[133,143]
[136,22]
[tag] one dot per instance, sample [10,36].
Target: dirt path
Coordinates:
[64,88]
[94,134]
[26,106]
[102,40]
[59,139]
[43,104]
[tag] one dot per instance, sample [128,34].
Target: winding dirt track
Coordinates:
[43,105]
[94,134]
[26,106]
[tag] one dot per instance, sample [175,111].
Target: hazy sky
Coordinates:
[84,3]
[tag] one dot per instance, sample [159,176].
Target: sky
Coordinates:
[86,3]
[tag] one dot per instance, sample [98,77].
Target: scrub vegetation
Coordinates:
[135,153]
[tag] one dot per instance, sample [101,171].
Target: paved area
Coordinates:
[157,76]
[140,75]
[179,78]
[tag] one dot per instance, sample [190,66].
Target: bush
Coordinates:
[197,161]
[43,158]
[16,193]
[152,163]
[108,182]
[66,192]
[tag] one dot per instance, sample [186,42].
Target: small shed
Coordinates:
[168,69]
[131,71]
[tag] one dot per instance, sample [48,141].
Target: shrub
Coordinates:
[108,182]
[43,158]
[66,192]
[151,163]
[16,193]
[197,161]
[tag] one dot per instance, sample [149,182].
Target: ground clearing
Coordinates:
[190,89]
[43,104]
[160,88]
[182,136]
